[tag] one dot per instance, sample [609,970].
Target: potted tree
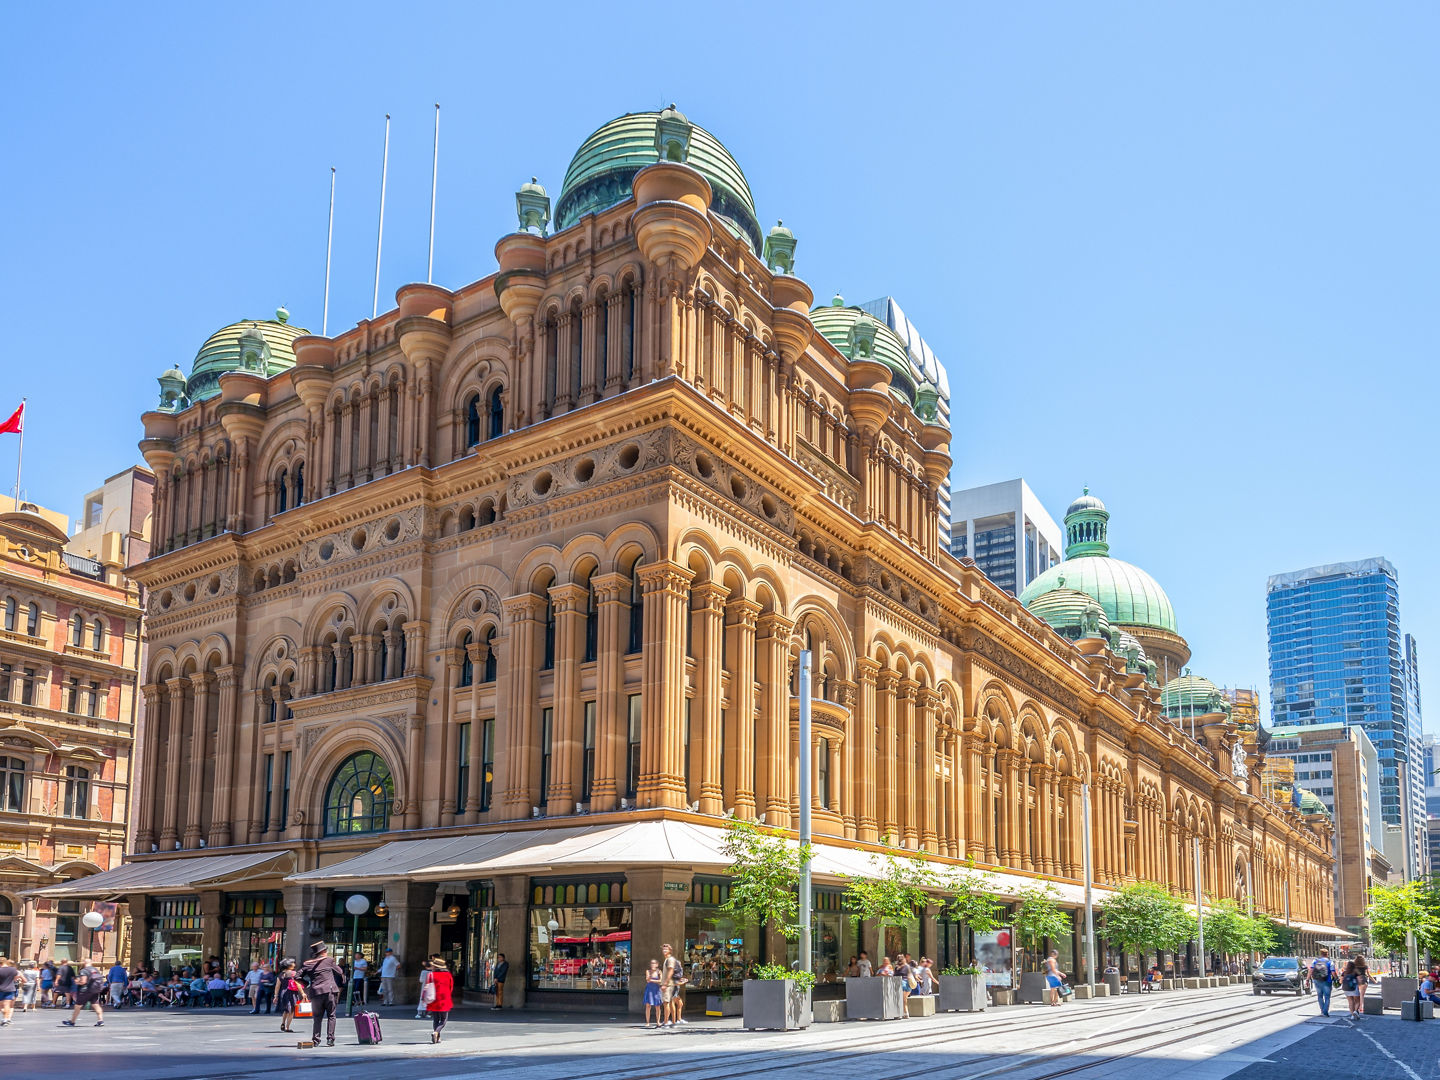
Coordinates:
[962,989]
[896,892]
[765,887]
[1037,919]
[1402,917]
[1144,917]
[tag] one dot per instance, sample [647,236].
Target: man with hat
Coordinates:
[324,978]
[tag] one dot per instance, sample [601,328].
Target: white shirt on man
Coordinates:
[389,967]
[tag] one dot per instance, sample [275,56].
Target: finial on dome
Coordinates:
[282,314]
[837,300]
[1062,581]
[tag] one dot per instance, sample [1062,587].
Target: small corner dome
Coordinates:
[601,172]
[1310,803]
[1068,611]
[1190,695]
[781,230]
[834,321]
[534,187]
[225,351]
[1085,502]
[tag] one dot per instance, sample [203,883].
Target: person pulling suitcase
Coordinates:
[325,978]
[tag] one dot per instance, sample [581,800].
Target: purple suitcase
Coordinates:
[367,1027]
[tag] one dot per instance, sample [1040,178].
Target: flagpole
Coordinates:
[20,455]
[434,176]
[329,239]
[380,234]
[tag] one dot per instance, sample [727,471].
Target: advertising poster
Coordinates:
[995,956]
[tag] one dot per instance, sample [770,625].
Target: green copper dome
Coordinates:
[262,345]
[602,169]
[1191,695]
[1129,595]
[1072,614]
[837,325]
[1309,802]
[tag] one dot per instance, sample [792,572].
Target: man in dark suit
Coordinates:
[324,977]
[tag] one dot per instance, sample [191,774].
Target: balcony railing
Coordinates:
[79,564]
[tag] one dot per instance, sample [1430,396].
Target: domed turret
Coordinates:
[1072,614]
[264,346]
[601,171]
[1191,696]
[859,335]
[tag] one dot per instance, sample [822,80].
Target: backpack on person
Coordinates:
[1320,972]
[1350,983]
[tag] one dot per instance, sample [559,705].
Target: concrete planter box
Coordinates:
[724,1005]
[1396,990]
[776,1005]
[1033,990]
[1132,986]
[1374,1004]
[963,993]
[1082,991]
[1002,995]
[1191,983]
[1102,989]
[875,998]
[1407,1010]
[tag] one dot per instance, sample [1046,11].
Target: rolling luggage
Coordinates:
[367,1027]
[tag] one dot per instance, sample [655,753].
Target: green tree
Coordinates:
[764,876]
[1145,917]
[899,888]
[972,900]
[1228,930]
[1399,910]
[1038,917]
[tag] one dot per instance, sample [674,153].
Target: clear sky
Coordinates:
[1183,252]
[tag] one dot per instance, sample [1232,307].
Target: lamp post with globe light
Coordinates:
[93,921]
[356,905]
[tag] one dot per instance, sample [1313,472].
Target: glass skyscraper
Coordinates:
[1337,655]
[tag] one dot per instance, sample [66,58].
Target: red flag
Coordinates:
[16,423]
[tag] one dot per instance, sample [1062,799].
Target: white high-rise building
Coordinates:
[1007,531]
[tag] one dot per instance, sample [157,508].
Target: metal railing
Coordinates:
[79,564]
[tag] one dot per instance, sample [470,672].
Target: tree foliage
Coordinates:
[1145,917]
[1399,910]
[764,876]
[1038,917]
[899,888]
[972,900]
[1231,931]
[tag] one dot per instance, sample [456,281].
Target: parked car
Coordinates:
[1279,973]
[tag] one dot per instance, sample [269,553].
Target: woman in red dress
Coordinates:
[440,986]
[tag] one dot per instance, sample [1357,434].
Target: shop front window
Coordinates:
[833,941]
[580,936]
[175,926]
[254,929]
[484,946]
[345,933]
[720,948]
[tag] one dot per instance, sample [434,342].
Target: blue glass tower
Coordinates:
[1336,654]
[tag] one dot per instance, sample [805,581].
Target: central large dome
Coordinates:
[602,169]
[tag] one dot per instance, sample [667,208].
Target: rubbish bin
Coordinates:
[1114,980]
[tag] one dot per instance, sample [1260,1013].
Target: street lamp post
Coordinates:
[356,905]
[805,786]
[92,921]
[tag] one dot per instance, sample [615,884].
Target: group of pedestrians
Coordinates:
[1352,978]
[665,982]
[83,984]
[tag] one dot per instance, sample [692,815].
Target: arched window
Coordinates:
[490,664]
[637,610]
[332,664]
[11,609]
[32,619]
[382,656]
[282,491]
[12,784]
[77,630]
[497,414]
[298,479]
[472,420]
[77,791]
[467,666]
[359,796]
[97,635]
[272,704]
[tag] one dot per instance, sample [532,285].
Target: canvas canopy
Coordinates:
[172,875]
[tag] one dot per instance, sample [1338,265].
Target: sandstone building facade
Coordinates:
[489,609]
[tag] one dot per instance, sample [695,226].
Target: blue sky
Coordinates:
[1184,253]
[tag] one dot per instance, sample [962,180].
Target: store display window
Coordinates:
[580,934]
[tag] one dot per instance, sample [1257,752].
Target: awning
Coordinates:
[173,875]
[1318,928]
[639,843]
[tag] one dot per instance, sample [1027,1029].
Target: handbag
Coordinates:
[304,1008]
[427,993]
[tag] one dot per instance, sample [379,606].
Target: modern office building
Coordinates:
[490,609]
[69,659]
[1007,531]
[1337,656]
[120,507]
[1336,765]
[887,309]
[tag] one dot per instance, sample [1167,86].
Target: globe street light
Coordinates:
[92,919]
[356,905]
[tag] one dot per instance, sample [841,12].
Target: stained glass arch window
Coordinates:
[359,796]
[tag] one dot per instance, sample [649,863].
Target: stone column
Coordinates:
[145,832]
[887,763]
[564,377]
[930,794]
[775,716]
[658,918]
[589,347]
[908,781]
[225,735]
[521,747]
[1011,802]
[479,654]
[742,616]
[512,903]
[706,715]
[409,923]
[568,603]
[178,692]
[862,754]
[452,698]
[212,923]
[611,591]
[415,769]
[662,769]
